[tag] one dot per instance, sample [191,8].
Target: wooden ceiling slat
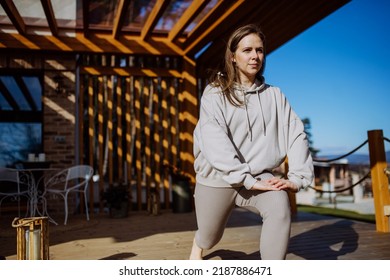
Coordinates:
[51,20]
[195,44]
[13,14]
[95,43]
[281,20]
[284,8]
[214,54]
[123,6]
[278,29]
[189,15]
[205,23]
[310,16]
[130,71]
[153,18]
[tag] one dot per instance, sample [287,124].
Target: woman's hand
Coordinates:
[275,184]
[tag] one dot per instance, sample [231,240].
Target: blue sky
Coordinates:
[337,74]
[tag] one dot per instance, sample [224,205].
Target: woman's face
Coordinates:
[248,57]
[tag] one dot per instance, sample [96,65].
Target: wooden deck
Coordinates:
[169,237]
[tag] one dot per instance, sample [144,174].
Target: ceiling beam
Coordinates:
[212,26]
[95,43]
[207,20]
[282,20]
[13,14]
[278,30]
[130,71]
[153,18]
[189,15]
[214,54]
[51,20]
[119,19]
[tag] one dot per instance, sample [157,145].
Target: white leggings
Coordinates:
[213,206]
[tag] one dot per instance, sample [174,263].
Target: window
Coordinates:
[20,115]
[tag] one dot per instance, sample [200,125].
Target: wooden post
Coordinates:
[291,196]
[380,182]
[188,116]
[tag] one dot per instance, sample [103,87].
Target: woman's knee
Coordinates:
[207,241]
[277,206]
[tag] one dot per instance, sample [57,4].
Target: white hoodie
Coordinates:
[235,146]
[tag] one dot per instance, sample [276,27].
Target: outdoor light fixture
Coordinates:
[59,84]
[32,238]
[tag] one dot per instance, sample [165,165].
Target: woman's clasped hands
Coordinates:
[274,184]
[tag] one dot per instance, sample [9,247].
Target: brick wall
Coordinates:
[59,128]
[59,106]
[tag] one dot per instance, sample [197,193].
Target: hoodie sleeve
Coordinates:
[300,162]
[215,143]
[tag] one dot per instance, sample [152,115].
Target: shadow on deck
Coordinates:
[169,237]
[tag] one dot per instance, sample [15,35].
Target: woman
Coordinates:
[246,129]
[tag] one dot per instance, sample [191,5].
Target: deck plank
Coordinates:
[169,237]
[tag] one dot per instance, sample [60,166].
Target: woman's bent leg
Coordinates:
[213,207]
[275,232]
[274,207]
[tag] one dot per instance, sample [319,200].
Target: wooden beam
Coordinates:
[119,19]
[95,43]
[214,55]
[188,115]
[153,18]
[309,15]
[130,71]
[85,13]
[189,15]
[282,23]
[278,29]
[13,14]
[196,43]
[380,182]
[51,20]
[207,20]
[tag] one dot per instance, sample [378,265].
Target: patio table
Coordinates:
[37,172]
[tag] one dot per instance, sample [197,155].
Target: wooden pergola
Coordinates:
[134,27]
[133,71]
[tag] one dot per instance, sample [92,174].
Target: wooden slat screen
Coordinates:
[131,131]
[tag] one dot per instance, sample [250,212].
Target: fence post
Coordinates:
[380,182]
[291,196]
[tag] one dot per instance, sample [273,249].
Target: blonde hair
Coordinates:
[229,75]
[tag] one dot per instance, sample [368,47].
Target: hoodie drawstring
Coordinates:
[248,124]
[262,113]
[256,91]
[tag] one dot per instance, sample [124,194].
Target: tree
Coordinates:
[307,128]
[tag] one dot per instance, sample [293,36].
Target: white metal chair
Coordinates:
[72,179]
[14,185]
